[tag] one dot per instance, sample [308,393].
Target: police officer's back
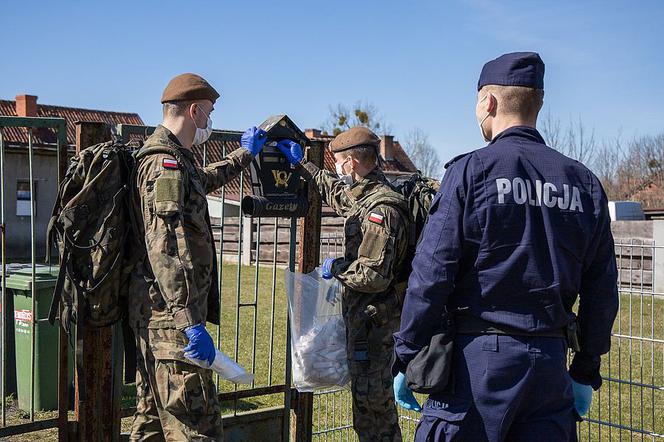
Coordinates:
[515,233]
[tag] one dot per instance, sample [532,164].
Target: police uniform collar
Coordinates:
[520,131]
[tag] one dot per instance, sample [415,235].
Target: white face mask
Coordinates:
[483,120]
[346,178]
[202,135]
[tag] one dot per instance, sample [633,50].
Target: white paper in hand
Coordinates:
[226,368]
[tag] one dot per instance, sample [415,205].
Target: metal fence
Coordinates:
[27,323]
[630,404]
[254,330]
[253,310]
[254,314]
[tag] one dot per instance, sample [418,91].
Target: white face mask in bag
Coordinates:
[202,135]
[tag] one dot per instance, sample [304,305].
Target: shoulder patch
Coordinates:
[376,218]
[170,163]
[456,158]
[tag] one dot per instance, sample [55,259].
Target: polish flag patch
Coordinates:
[376,218]
[170,163]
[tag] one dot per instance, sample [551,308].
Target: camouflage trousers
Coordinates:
[370,348]
[175,401]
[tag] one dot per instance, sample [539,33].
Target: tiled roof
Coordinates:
[70,114]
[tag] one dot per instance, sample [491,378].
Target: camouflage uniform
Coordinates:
[174,287]
[376,241]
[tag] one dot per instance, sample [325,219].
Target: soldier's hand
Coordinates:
[200,344]
[292,150]
[326,268]
[253,139]
[403,395]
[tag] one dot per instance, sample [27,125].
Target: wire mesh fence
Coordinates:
[630,404]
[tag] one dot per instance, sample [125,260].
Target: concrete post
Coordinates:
[658,256]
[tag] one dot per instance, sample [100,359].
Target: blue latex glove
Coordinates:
[253,140]
[200,344]
[326,268]
[403,395]
[292,150]
[583,396]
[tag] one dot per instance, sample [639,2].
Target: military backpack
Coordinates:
[419,192]
[92,225]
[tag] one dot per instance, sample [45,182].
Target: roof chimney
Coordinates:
[387,147]
[26,105]
[312,133]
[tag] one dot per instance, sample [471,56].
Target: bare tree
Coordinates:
[343,117]
[550,128]
[422,154]
[575,140]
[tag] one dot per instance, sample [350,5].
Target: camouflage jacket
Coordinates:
[375,237]
[175,285]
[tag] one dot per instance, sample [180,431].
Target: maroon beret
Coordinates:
[186,87]
[354,137]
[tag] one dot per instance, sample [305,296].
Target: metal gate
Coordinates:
[254,254]
[26,221]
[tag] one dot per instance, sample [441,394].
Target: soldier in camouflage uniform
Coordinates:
[376,241]
[174,287]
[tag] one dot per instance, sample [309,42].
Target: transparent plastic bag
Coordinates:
[318,332]
[226,368]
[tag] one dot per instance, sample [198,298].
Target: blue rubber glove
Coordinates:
[583,396]
[403,395]
[253,140]
[326,268]
[200,344]
[292,150]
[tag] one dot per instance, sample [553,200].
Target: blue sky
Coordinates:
[416,61]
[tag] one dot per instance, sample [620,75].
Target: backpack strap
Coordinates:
[57,291]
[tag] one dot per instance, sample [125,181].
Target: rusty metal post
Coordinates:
[308,257]
[97,415]
[63,341]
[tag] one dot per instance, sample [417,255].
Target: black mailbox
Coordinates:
[276,186]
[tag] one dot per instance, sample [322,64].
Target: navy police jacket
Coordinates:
[517,232]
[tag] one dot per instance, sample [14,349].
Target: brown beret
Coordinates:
[187,87]
[353,137]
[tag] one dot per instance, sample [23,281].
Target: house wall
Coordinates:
[18,234]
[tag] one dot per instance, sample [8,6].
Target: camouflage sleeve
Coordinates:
[334,192]
[383,246]
[162,194]
[217,174]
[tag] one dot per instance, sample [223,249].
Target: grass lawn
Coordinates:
[619,403]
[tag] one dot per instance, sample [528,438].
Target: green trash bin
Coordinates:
[19,284]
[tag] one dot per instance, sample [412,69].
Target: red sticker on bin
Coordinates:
[170,163]
[376,218]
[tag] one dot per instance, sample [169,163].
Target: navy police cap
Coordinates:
[514,69]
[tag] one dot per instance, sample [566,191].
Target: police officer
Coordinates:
[174,287]
[515,233]
[376,239]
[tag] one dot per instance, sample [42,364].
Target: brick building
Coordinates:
[45,168]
